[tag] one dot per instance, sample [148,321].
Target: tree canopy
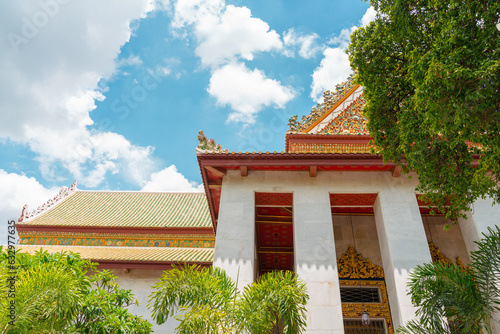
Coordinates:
[54,293]
[206,300]
[431,76]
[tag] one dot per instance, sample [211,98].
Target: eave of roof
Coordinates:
[234,159]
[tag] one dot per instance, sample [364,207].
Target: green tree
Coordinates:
[104,310]
[54,294]
[468,299]
[431,74]
[48,291]
[207,301]
[275,303]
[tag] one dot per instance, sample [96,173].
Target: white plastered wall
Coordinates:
[401,234]
[483,215]
[403,245]
[141,282]
[235,240]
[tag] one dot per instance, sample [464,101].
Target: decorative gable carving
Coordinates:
[437,256]
[329,100]
[352,265]
[349,121]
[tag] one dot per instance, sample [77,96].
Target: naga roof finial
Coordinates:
[208,145]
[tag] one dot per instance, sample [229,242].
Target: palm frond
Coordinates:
[448,297]
[275,302]
[192,287]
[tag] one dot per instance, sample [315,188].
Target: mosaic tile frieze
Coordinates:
[350,121]
[120,240]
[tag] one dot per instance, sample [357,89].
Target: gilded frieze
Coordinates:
[329,148]
[350,121]
[437,256]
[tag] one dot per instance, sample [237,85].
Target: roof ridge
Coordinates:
[139,191]
[63,194]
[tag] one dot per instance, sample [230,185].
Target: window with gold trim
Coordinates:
[362,285]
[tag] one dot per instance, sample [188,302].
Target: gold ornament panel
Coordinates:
[353,265]
[437,256]
[329,148]
[375,310]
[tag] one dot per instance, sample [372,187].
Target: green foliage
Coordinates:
[275,303]
[431,72]
[105,311]
[207,301]
[468,299]
[48,291]
[54,294]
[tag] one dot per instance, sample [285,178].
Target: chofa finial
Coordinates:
[208,145]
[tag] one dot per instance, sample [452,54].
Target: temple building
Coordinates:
[137,235]
[327,208]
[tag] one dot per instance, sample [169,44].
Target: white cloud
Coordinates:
[18,190]
[333,69]
[343,39]
[132,60]
[165,5]
[224,33]
[187,12]
[170,68]
[51,63]
[169,179]
[368,17]
[113,153]
[233,34]
[305,43]
[247,91]
[225,36]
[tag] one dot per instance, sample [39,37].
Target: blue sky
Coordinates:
[113,93]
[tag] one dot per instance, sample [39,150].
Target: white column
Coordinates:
[315,260]
[235,241]
[484,215]
[403,245]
